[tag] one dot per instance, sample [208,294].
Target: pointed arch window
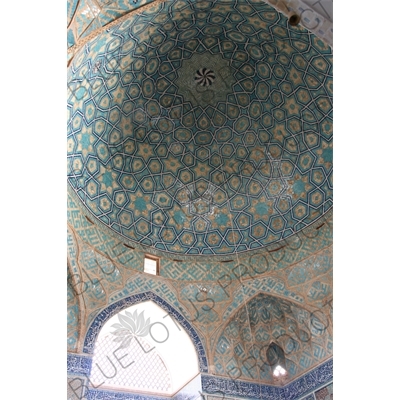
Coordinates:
[144,350]
[276,360]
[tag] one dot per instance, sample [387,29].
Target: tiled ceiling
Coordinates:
[201,128]
[265,319]
[201,131]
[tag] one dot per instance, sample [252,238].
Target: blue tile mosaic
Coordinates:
[78,364]
[92,15]
[302,386]
[239,167]
[106,12]
[265,318]
[219,169]
[114,308]
[311,381]
[237,388]
[296,248]
[96,394]
[178,294]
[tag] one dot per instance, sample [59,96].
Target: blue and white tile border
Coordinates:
[302,386]
[236,388]
[97,394]
[312,380]
[78,364]
[108,312]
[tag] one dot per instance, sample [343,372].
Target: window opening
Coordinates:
[151,264]
[143,349]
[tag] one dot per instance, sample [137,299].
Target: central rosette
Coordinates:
[205,79]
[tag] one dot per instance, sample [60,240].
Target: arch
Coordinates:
[260,287]
[112,309]
[284,320]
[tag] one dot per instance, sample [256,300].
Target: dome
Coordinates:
[202,128]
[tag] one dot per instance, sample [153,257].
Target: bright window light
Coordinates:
[151,265]
[279,371]
[155,356]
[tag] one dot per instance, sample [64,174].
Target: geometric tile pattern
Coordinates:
[229,227]
[289,251]
[177,293]
[232,171]
[142,283]
[107,313]
[293,249]
[85,16]
[92,278]
[92,16]
[310,268]
[100,239]
[242,345]
[312,272]
[226,294]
